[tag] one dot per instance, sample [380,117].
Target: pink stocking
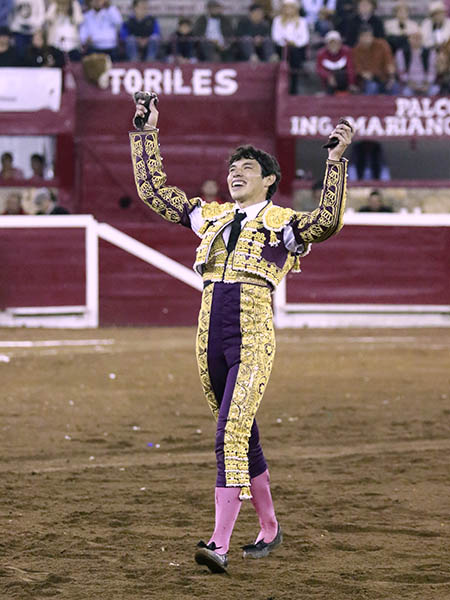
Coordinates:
[262,501]
[228,506]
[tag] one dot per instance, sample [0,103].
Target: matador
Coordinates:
[246,248]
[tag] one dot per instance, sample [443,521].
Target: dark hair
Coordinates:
[136,2]
[255,6]
[184,21]
[7,155]
[268,163]
[38,157]
[375,192]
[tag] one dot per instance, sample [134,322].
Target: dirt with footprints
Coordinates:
[107,467]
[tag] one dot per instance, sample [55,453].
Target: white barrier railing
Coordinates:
[286,314]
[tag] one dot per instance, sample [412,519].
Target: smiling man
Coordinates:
[247,246]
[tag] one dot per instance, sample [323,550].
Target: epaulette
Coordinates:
[276,218]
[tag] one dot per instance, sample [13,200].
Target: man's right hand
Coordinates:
[141,111]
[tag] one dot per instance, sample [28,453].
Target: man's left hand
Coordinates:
[344,133]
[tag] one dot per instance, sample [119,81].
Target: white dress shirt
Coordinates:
[251,212]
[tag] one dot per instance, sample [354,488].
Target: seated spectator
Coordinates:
[436,28]
[8,54]
[28,17]
[313,8]
[335,65]
[374,64]
[38,167]
[215,31]
[8,170]
[368,162]
[13,204]
[253,31]
[45,203]
[365,15]
[181,46]
[98,32]
[416,68]
[290,33]
[141,33]
[343,15]
[325,22]
[64,18]
[375,203]
[443,68]
[40,54]
[209,191]
[6,8]
[400,27]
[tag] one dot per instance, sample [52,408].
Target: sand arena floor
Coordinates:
[107,468]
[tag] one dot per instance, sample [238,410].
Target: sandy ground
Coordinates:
[107,468]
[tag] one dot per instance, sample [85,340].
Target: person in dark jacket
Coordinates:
[365,15]
[180,47]
[375,203]
[40,54]
[8,54]
[214,30]
[141,33]
[255,42]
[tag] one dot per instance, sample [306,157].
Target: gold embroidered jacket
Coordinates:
[260,255]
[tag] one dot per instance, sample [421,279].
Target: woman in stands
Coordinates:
[64,18]
[290,33]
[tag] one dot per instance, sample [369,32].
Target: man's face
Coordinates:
[4,43]
[438,17]
[366,39]
[334,46]
[13,205]
[6,161]
[375,201]
[246,183]
[365,8]
[98,4]
[257,15]
[37,166]
[141,10]
[210,188]
[215,10]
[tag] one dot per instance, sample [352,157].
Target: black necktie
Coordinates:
[235,230]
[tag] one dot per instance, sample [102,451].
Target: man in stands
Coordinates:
[28,17]
[365,15]
[45,203]
[181,46]
[214,30]
[416,67]
[375,203]
[98,32]
[436,28]
[8,54]
[9,171]
[247,246]
[37,166]
[374,64]
[253,31]
[141,33]
[335,65]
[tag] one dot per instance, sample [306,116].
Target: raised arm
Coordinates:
[327,218]
[169,202]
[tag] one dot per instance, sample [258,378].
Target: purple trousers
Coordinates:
[235,347]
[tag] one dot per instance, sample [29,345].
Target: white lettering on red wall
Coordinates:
[413,117]
[199,82]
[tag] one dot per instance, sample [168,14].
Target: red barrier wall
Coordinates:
[363,264]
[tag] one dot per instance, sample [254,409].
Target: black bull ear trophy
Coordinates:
[147,97]
[333,141]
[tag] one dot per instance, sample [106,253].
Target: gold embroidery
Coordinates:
[276,217]
[202,350]
[212,211]
[257,353]
[169,202]
[323,222]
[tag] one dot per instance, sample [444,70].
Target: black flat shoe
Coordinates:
[206,555]
[262,548]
